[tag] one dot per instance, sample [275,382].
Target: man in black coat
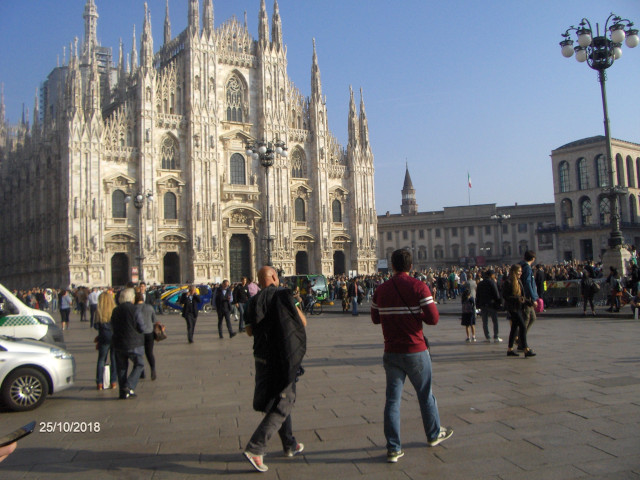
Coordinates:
[240,299]
[224,297]
[190,301]
[277,324]
[127,341]
[488,300]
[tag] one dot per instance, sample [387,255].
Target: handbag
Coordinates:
[159,332]
[106,375]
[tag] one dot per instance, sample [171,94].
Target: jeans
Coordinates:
[442,295]
[354,305]
[277,418]
[149,340]
[517,323]
[486,313]
[105,349]
[416,366]
[129,382]
[529,316]
[240,308]
[92,313]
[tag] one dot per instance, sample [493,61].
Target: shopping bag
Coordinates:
[106,375]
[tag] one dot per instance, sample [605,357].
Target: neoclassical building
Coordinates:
[140,167]
[581,174]
[467,235]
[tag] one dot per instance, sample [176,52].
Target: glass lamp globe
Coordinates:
[262,149]
[249,152]
[632,40]
[284,153]
[567,48]
[584,37]
[255,156]
[617,33]
[581,54]
[617,52]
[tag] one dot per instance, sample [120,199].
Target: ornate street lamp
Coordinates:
[138,202]
[500,218]
[266,152]
[600,52]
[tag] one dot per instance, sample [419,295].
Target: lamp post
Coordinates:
[500,219]
[138,202]
[600,52]
[266,152]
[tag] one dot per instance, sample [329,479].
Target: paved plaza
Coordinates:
[573,411]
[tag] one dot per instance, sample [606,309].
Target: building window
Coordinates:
[522,247]
[620,170]
[454,231]
[170,154]
[438,253]
[405,235]
[336,211]
[472,231]
[631,179]
[235,100]
[472,250]
[298,164]
[601,168]
[487,229]
[583,180]
[633,210]
[389,236]
[563,174]
[522,228]
[438,233]
[236,164]
[566,211]
[605,211]
[421,234]
[455,251]
[118,204]
[170,206]
[505,228]
[300,210]
[585,211]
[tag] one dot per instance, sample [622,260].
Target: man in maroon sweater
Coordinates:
[401,304]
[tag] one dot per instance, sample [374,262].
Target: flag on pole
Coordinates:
[469,179]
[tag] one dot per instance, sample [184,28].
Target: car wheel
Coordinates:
[24,389]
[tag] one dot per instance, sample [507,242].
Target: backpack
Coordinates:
[594,288]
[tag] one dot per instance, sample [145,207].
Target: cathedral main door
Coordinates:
[338,262]
[171,267]
[302,263]
[239,257]
[119,269]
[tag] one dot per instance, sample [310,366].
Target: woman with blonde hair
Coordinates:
[106,304]
[514,302]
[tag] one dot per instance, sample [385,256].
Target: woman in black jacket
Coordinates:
[514,302]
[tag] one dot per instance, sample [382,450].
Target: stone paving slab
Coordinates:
[571,412]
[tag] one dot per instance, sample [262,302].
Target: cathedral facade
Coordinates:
[140,169]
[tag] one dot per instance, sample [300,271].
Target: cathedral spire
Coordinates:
[93,89]
[316,84]
[134,53]
[364,124]
[409,205]
[167,25]
[353,119]
[146,41]
[121,67]
[276,28]
[207,18]
[90,28]
[263,25]
[36,114]
[194,16]
[2,107]
[74,80]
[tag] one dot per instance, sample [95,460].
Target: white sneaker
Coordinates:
[445,433]
[473,339]
[497,340]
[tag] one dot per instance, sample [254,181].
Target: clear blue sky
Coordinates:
[449,87]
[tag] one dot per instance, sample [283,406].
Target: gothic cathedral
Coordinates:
[140,169]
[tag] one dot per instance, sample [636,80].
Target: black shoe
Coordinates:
[520,348]
[232,334]
[142,376]
[153,375]
[511,353]
[529,353]
[127,394]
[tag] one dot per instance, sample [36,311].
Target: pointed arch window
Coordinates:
[170,153]
[170,206]
[300,210]
[298,164]
[583,179]
[237,170]
[601,168]
[118,204]
[563,174]
[235,95]
[336,211]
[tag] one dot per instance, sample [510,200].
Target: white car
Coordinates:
[30,370]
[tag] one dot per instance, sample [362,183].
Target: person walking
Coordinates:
[102,323]
[277,324]
[240,298]
[65,308]
[149,316]
[224,298]
[128,342]
[588,289]
[400,305]
[353,295]
[530,289]
[489,301]
[190,301]
[93,305]
[514,302]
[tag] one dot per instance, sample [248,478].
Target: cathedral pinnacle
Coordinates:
[316,84]
[194,16]
[364,125]
[90,28]
[353,119]
[276,28]
[2,107]
[146,41]
[207,18]
[263,25]
[134,53]
[167,25]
